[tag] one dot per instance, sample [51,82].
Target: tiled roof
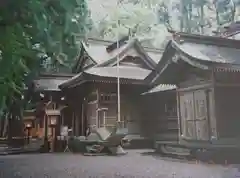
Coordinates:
[97,51]
[208,48]
[155,56]
[160,88]
[133,43]
[124,72]
[48,84]
[206,52]
[210,53]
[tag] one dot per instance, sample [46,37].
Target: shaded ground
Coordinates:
[133,165]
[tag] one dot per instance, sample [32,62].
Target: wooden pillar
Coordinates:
[77,124]
[82,118]
[5,126]
[214,107]
[73,123]
[97,107]
[104,118]
[179,114]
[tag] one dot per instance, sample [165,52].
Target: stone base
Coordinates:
[171,148]
[138,142]
[117,150]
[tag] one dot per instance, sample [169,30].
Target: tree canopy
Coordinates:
[148,19]
[35,34]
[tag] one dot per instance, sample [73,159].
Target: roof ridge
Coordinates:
[180,37]
[117,44]
[122,49]
[114,41]
[135,43]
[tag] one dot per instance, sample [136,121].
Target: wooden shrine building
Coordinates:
[98,89]
[159,113]
[205,70]
[93,91]
[49,104]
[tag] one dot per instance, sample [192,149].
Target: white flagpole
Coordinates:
[118,75]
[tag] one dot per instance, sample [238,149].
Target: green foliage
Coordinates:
[33,31]
[225,11]
[148,19]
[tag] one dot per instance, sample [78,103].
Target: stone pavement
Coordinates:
[136,164]
[34,146]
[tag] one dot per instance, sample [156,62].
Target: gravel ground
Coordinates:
[135,164]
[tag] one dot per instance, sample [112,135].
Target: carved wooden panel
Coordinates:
[187,115]
[190,129]
[194,115]
[201,113]
[202,130]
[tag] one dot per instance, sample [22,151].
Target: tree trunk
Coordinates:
[202,19]
[9,130]
[5,125]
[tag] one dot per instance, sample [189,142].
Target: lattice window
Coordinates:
[111,97]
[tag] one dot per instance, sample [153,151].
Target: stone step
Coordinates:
[171,148]
[138,142]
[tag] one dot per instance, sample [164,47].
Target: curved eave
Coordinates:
[72,81]
[85,77]
[170,57]
[194,61]
[206,65]
[161,62]
[148,60]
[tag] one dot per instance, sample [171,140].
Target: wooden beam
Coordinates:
[227,84]
[196,87]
